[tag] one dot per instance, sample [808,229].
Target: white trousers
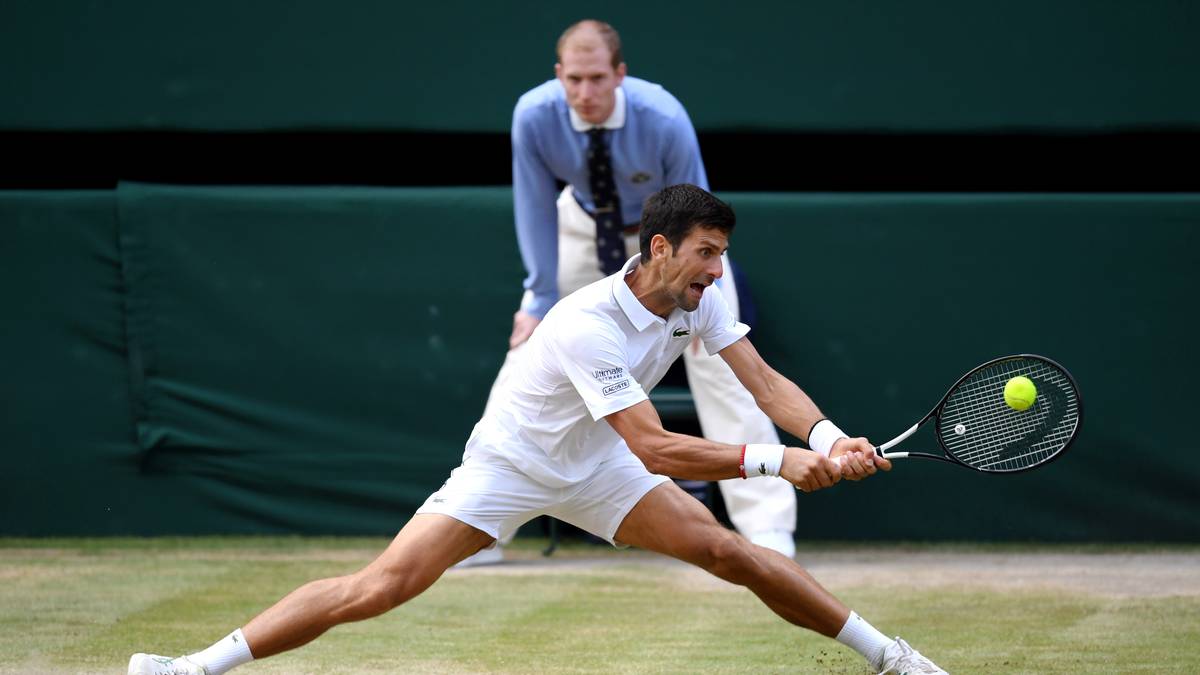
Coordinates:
[758,507]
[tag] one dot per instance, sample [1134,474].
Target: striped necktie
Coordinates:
[610,238]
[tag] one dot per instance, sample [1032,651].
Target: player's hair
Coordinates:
[676,210]
[608,35]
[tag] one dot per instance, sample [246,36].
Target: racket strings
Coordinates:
[997,432]
[979,429]
[990,425]
[1003,439]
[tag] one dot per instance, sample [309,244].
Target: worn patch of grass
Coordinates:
[82,606]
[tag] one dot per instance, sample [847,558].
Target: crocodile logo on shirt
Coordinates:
[681,332]
[639,177]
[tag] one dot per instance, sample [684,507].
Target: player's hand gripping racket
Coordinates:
[979,429]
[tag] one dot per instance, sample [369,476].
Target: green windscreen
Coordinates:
[209,360]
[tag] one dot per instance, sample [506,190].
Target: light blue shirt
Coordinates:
[653,145]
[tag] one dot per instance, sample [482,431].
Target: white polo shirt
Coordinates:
[598,351]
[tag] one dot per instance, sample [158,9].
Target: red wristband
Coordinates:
[742,464]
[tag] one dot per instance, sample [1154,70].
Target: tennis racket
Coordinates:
[978,430]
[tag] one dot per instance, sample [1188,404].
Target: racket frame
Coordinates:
[948,456]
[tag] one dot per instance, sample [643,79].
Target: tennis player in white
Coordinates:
[576,437]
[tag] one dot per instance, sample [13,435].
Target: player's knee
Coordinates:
[726,555]
[375,592]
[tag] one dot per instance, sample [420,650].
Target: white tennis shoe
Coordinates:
[901,659]
[153,664]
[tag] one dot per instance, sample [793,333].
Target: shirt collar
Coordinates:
[638,315]
[615,121]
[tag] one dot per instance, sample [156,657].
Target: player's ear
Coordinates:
[659,246]
[558,71]
[621,71]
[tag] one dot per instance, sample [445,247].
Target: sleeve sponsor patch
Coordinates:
[609,374]
[614,388]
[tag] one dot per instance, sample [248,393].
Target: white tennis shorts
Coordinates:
[491,495]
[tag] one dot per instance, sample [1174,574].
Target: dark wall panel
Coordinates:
[459,66]
[204,360]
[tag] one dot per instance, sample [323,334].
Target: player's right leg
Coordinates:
[428,545]
[668,521]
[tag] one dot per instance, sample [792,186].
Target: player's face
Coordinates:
[591,82]
[694,266]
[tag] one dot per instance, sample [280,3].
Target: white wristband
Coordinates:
[762,460]
[823,435]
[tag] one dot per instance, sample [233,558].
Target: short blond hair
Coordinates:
[607,33]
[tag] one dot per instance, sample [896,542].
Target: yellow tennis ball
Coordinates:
[1019,393]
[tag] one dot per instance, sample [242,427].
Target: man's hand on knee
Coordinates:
[523,325]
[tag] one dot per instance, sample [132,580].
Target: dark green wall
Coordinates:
[879,302]
[460,65]
[68,456]
[199,360]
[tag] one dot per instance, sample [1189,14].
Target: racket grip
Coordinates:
[838,460]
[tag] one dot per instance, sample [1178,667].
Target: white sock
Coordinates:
[862,637]
[226,653]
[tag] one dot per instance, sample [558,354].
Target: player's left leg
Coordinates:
[423,549]
[417,557]
[484,499]
[669,521]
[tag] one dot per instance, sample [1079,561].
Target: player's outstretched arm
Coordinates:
[789,407]
[683,456]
